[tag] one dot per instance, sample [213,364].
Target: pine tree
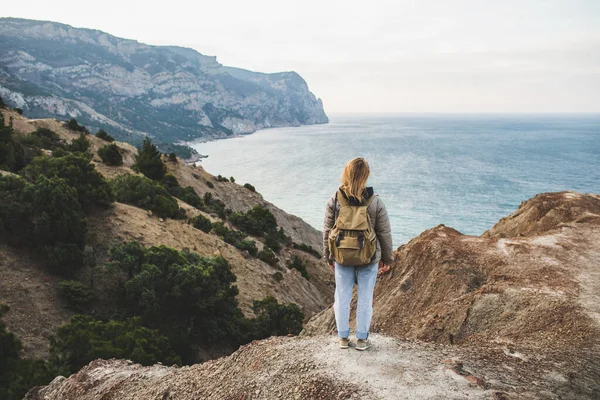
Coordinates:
[148,161]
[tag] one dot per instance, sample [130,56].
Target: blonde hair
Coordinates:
[354,177]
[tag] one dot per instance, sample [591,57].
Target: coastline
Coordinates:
[198,158]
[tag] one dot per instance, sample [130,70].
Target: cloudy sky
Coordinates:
[379,55]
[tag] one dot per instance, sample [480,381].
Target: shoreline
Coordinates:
[199,157]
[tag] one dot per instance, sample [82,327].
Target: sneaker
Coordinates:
[362,344]
[344,342]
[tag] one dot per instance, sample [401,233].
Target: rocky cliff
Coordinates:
[172,93]
[512,314]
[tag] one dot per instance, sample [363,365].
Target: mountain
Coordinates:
[131,89]
[511,314]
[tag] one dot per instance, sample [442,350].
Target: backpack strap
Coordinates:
[341,199]
[370,200]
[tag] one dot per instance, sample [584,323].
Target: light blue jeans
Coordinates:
[365,276]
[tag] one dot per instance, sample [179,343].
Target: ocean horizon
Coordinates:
[463,170]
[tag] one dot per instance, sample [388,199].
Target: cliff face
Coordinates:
[175,94]
[529,286]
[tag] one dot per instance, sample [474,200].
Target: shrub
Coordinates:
[84,339]
[79,145]
[180,292]
[274,319]
[201,222]
[12,154]
[278,276]
[268,256]
[148,161]
[48,139]
[249,187]
[76,169]
[215,206]
[101,134]
[45,216]
[17,375]
[299,265]
[74,126]
[222,179]
[77,295]
[257,221]
[2,103]
[187,194]
[10,346]
[173,157]
[28,373]
[247,245]
[111,155]
[142,192]
[307,249]
[210,184]
[19,110]
[232,179]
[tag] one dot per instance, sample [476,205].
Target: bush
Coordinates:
[19,110]
[142,192]
[74,126]
[249,246]
[278,276]
[187,194]
[307,249]
[17,375]
[148,161]
[85,339]
[2,103]
[201,222]
[268,256]
[12,154]
[77,295]
[111,155]
[76,169]
[173,157]
[180,292]
[258,221]
[249,187]
[299,265]
[79,145]
[216,206]
[10,346]
[210,184]
[274,319]
[45,216]
[48,139]
[222,179]
[101,134]
[231,178]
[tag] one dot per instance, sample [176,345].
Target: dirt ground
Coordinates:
[305,368]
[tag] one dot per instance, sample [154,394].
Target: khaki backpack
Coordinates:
[352,240]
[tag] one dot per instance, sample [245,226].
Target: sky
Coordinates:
[378,55]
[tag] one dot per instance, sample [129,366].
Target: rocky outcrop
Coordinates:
[309,368]
[530,285]
[129,88]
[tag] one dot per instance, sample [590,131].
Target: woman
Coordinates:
[352,195]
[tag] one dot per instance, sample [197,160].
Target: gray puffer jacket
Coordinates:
[379,220]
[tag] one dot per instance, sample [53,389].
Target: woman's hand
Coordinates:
[331,264]
[383,268]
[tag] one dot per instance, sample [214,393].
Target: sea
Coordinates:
[463,171]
